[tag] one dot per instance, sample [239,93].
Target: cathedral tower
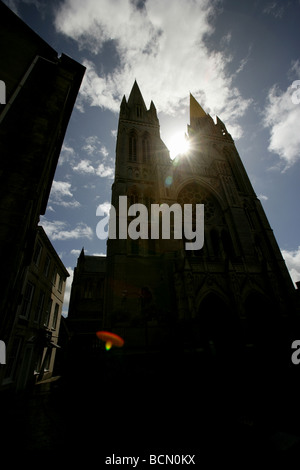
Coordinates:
[229,291]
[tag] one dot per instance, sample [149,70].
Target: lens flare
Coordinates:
[110,339]
[168,181]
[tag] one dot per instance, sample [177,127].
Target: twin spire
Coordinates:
[136,109]
[136,98]
[196,111]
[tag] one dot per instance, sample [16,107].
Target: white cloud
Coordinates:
[263,197]
[161,45]
[86,167]
[104,151]
[104,207]
[67,153]
[292,260]
[91,145]
[105,171]
[61,190]
[282,117]
[59,230]
[75,252]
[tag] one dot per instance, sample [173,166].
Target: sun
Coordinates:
[178,144]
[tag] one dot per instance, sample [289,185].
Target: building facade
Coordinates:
[40,91]
[36,330]
[87,299]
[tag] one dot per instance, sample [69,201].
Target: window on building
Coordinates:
[27,300]
[37,254]
[132,148]
[53,279]
[47,266]
[139,111]
[60,283]
[39,307]
[48,312]
[55,317]
[146,149]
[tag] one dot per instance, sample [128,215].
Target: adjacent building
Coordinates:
[86,307]
[41,87]
[36,330]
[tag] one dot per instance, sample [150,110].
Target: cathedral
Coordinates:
[153,291]
[206,327]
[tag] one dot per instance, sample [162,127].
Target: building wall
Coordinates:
[36,328]
[41,89]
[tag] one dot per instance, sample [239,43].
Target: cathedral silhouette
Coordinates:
[197,324]
[155,292]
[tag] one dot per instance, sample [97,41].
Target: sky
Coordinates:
[240,59]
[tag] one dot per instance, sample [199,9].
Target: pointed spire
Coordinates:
[196,111]
[152,110]
[135,97]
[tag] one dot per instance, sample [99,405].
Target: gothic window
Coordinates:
[194,194]
[146,149]
[139,111]
[132,148]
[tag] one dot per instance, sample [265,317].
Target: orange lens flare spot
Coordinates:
[110,339]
